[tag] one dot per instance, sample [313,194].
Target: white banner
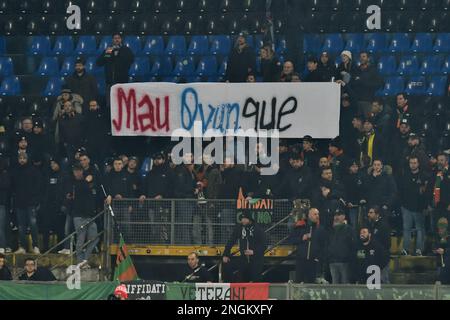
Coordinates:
[157,109]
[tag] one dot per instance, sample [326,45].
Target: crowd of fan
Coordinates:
[51,175]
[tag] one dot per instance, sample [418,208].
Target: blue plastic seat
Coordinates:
[134,43]
[162,66]
[91,67]
[6,67]
[408,65]
[140,67]
[48,67]
[423,43]
[354,42]
[53,87]
[258,43]
[437,86]
[101,86]
[416,86]
[223,67]
[184,66]
[311,43]
[220,45]
[281,47]
[105,42]
[63,46]
[446,66]
[40,45]
[2,45]
[176,46]
[376,42]
[387,65]
[431,65]
[199,46]
[442,43]
[400,43]
[68,66]
[154,46]
[392,86]
[207,66]
[333,43]
[86,45]
[10,86]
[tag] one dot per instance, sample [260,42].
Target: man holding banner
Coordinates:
[252,244]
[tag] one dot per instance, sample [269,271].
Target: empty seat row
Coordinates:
[150,45]
[412,65]
[134,6]
[361,5]
[415,86]
[378,43]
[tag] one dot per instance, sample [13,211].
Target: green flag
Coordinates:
[125,270]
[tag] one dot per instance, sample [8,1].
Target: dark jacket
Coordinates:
[420,152]
[373,254]
[396,153]
[311,158]
[84,85]
[365,82]
[381,232]
[383,123]
[197,275]
[41,274]
[41,145]
[378,147]
[232,180]
[185,183]
[318,240]
[118,183]
[55,186]
[211,178]
[5,187]
[5,274]
[411,197]
[353,187]
[95,131]
[270,69]
[159,181]
[327,206]
[298,183]
[380,190]
[240,64]
[83,201]
[341,244]
[339,165]
[442,242]
[26,186]
[314,76]
[327,71]
[135,181]
[71,130]
[116,64]
[250,237]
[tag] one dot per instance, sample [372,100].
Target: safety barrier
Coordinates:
[154,290]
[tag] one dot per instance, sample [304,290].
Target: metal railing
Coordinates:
[190,221]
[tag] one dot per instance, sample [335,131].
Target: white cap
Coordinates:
[347,53]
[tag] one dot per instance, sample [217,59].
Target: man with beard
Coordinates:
[369,253]
[96,138]
[399,144]
[298,179]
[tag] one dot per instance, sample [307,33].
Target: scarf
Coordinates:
[437,186]
[370,146]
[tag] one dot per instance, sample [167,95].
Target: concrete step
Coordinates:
[412,264]
[413,278]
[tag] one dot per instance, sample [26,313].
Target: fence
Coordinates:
[192,222]
[155,290]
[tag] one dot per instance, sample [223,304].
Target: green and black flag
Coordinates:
[125,270]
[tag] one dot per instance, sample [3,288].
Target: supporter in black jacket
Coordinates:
[232,180]
[40,142]
[310,239]
[379,227]
[327,196]
[372,145]
[365,79]
[416,148]
[369,253]
[185,182]
[83,84]
[314,74]
[415,196]
[27,194]
[32,273]
[159,182]
[241,62]
[117,60]
[310,154]
[134,176]
[117,183]
[399,143]
[270,65]
[97,141]
[5,274]
[341,248]
[441,248]
[298,179]
[379,188]
[195,272]
[339,161]
[71,133]
[353,183]
[252,245]
[327,68]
